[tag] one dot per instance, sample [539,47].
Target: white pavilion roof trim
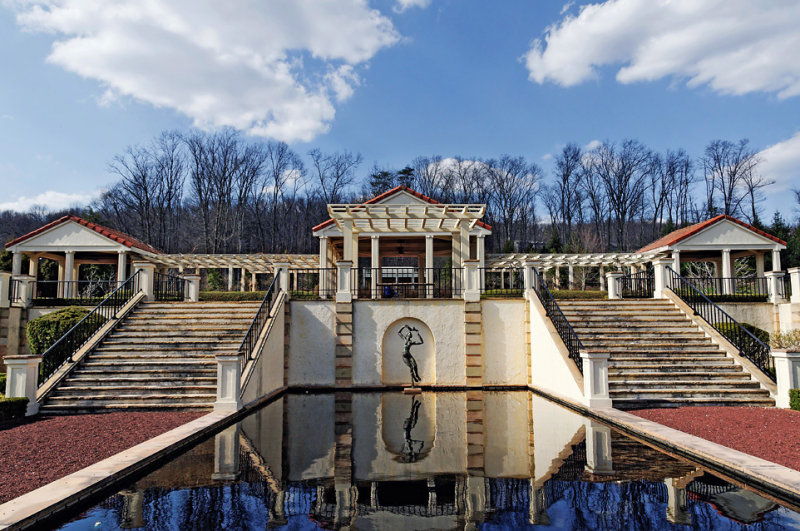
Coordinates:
[563,260]
[410,218]
[256,263]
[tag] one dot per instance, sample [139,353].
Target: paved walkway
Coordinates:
[49,448]
[769,433]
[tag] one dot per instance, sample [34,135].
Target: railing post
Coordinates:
[5,290]
[343,291]
[773,282]
[660,278]
[787,373]
[794,280]
[192,289]
[598,448]
[229,395]
[527,277]
[23,379]
[595,379]
[147,277]
[613,279]
[472,282]
[25,285]
[282,270]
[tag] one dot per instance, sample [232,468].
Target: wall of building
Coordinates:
[764,315]
[267,374]
[311,343]
[789,316]
[504,342]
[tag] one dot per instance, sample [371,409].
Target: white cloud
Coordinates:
[781,163]
[50,200]
[402,5]
[547,156]
[593,144]
[269,68]
[733,46]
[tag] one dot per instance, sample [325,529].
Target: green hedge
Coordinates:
[43,331]
[232,295]
[727,330]
[578,294]
[2,383]
[794,399]
[13,408]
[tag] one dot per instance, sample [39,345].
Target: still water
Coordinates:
[456,460]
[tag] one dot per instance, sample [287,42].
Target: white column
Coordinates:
[787,373]
[429,275]
[69,271]
[230,277]
[323,265]
[774,280]
[253,280]
[282,269]
[242,278]
[464,241]
[676,261]
[22,381]
[727,271]
[661,277]
[677,511]
[375,264]
[776,260]
[760,264]
[229,397]
[226,454]
[25,285]
[5,289]
[794,278]
[595,379]
[472,291]
[347,239]
[146,278]
[598,448]
[571,273]
[192,288]
[613,278]
[481,250]
[343,293]
[33,272]
[602,278]
[16,263]
[122,265]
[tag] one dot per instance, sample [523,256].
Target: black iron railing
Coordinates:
[749,345]
[722,289]
[407,283]
[502,282]
[637,286]
[168,287]
[69,292]
[76,337]
[785,287]
[560,322]
[246,349]
[15,291]
[312,283]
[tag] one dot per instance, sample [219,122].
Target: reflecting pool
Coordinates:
[454,460]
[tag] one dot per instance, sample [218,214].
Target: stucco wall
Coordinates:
[267,374]
[760,314]
[504,342]
[789,316]
[312,342]
[444,318]
[562,427]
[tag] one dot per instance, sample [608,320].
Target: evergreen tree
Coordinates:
[554,245]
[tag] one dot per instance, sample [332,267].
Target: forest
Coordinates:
[222,192]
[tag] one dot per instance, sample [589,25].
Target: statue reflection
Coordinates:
[412,448]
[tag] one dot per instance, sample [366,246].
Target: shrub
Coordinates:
[578,294]
[43,331]
[794,399]
[13,408]
[232,295]
[2,383]
[728,330]
[214,280]
[786,341]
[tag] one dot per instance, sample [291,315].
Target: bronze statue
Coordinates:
[407,333]
[412,448]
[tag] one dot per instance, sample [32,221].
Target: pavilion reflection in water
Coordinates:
[434,461]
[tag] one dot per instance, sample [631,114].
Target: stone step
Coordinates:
[618,302]
[688,392]
[66,409]
[630,363]
[614,320]
[627,335]
[187,347]
[199,332]
[224,305]
[633,371]
[652,348]
[149,356]
[116,391]
[666,355]
[206,343]
[221,321]
[137,372]
[631,328]
[146,378]
[634,376]
[642,403]
[635,384]
[181,364]
[132,398]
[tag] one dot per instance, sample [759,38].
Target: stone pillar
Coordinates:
[598,448]
[677,512]
[5,289]
[794,278]
[661,277]
[192,288]
[614,288]
[528,276]
[23,379]
[602,278]
[242,279]
[16,263]
[69,272]
[429,273]
[122,266]
[480,248]
[375,264]
[347,239]
[282,269]
[323,265]
[229,395]
[25,285]
[760,264]
[727,272]
[33,271]
[147,277]
[472,292]
[226,454]
[343,292]
[676,261]
[787,372]
[776,260]
[571,276]
[774,279]
[595,379]
[230,278]
[253,281]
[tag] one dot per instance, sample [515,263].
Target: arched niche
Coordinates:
[408,425]
[395,370]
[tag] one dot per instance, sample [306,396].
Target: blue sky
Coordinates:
[391,79]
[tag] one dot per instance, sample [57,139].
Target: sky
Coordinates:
[391,79]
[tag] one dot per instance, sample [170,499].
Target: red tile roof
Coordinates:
[681,234]
[115,235]
[391,192]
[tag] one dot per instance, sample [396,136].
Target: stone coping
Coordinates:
[780,483]
[28,510]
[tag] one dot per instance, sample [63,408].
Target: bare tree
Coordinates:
[335,172]
[563,198]
[726,167]
[514,184]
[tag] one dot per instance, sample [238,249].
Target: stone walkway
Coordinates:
[49,448]
[769,433]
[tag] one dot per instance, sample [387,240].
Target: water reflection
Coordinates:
[433,461]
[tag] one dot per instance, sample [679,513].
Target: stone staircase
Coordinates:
[658,357]
[162,356]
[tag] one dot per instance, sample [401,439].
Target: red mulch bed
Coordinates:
[35,453]
[768,433]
